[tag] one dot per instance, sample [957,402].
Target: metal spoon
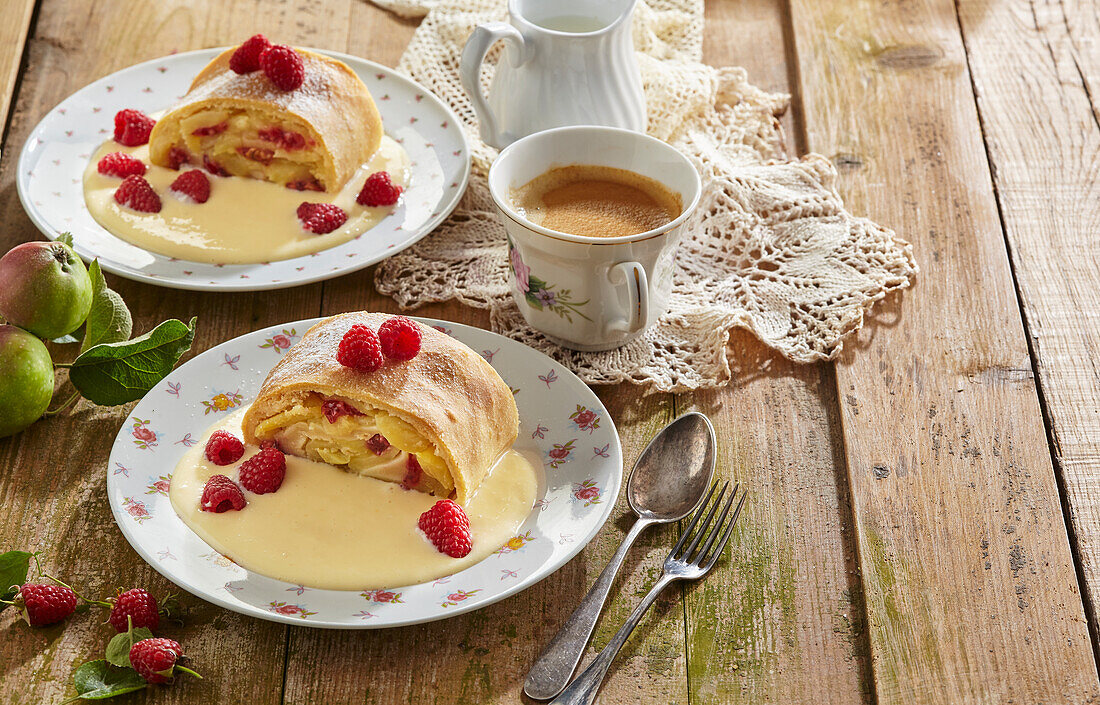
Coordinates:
[671,476]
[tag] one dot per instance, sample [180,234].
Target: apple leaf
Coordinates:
[66,238]
[109,320]
[110,374]
[13,572]
[97,680]
[118,649]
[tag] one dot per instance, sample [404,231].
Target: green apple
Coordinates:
[26,379]
[46,289]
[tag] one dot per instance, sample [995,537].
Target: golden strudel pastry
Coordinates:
[436,423]
[311,138]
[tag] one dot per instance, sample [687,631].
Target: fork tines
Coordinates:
[706,556]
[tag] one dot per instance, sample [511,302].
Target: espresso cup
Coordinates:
[591,293]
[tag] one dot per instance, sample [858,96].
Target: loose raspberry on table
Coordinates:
[135,607]
[447,527]
[155,659]
[136,193]
[400,338]
[220,494]
[132,127]
[193,184]
[360,349]
[413,472]
[223,448]
[335,408]
[246,58]
[377,444]
[44,603]
[378,190]
[264,472]
[321,218]
[283,66]
[120,164]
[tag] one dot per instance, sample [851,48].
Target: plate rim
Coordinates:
[22,184]
[614,487]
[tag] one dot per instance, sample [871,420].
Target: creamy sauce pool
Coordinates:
[244,221]
[327,528]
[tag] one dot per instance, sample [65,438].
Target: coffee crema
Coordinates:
[596,201]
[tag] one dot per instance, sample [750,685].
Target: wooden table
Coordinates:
[924,524]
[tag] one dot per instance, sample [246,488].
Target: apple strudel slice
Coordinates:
[436,423]
[311,138]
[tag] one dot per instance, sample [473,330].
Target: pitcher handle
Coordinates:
[633,275]
[469,69]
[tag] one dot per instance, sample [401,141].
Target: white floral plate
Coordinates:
[57,151]
[561,421]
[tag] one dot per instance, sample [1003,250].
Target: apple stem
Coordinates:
[63,365]
[66,405]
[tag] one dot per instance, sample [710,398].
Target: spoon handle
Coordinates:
[559,659]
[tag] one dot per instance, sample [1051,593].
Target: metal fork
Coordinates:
[681,564]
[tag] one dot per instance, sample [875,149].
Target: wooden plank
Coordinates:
[780,620]
[968,576]
[52,487]
[15,22]
[1031,65]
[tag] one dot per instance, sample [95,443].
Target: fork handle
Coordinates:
[582,691]
[559,659]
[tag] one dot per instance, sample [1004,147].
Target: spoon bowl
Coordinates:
[674,470]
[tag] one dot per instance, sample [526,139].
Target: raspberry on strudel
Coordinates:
[436,423]
[312,138]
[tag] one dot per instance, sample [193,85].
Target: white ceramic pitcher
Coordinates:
[566,62]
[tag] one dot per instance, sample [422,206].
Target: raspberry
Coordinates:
[246,58]
[224,448]
[264,472]
[209,130]
[194,184]
[220,494]
[43,603]
[177,156]
[360,349]
[135,192]
[283,66]
[213,167]
[134,606]
[155,659]
[413,471]
[400,338]
[378,191]
[305,185]
[377,444]
[335,408]
[132,127]
[321,218]
[447,527]
[120,164]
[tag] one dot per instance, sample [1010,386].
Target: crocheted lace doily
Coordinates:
[771,248]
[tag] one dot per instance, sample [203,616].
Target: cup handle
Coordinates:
[469,70]
[633,275]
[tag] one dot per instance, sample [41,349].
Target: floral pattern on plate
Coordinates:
[560,420]
[57,151]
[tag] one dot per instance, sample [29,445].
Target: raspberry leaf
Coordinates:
[13,573]
[97,680]
[118,649]
[109,321]
[110,374]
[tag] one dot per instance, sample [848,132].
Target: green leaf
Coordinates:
[118,649]
[96,680]
[66,238]
[116,373]
[13,571]
[109,320]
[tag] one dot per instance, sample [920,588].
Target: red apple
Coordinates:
[46,289]
[26,379]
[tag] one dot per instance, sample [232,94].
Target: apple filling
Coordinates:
[367,442]
[237,143]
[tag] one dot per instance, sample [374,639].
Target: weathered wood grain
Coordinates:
[780,620]
[52,488]
[15,22]
[1031,65]
[968,576]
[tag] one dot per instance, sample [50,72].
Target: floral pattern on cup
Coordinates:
[541,294]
